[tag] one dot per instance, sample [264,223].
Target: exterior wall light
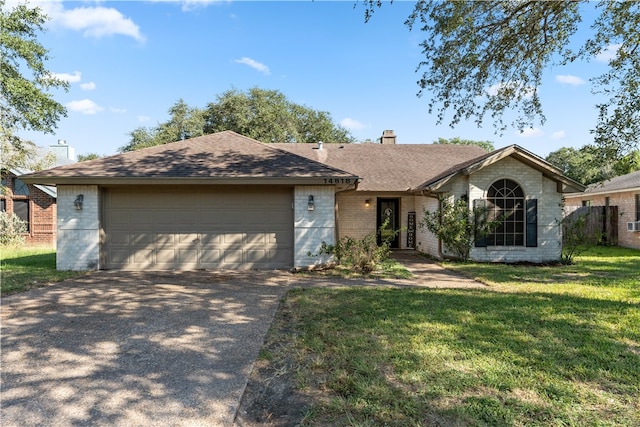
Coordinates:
[78,202]
[367,202]
[310,203]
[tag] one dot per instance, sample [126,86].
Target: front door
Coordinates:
[389,216]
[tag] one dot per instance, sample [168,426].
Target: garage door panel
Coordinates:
[212,227]
[164,217]
[143,238]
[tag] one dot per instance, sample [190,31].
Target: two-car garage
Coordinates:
[197,227]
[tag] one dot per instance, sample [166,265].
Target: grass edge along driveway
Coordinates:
[557,345]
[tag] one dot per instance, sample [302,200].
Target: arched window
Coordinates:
[506,203]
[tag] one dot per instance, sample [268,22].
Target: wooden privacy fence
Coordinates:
[601,223]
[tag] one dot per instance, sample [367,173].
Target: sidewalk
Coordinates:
[428,273]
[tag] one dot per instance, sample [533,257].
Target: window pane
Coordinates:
[506,202]
[20,188]
[21,210]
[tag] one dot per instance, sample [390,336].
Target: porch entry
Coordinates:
[388,211]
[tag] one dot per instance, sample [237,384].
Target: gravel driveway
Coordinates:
[134,349]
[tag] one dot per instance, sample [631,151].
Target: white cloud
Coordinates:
[117,110]
[71,78]
[84,106]
[530,133]
[570,80]
[349,123]
[558,134]
[608,53]
[144,119]
[92,21]
[253,64]
[88,86]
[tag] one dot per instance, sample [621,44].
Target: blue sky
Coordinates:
[128,61]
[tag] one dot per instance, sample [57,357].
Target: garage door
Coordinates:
[179,228]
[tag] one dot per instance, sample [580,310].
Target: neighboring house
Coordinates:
[621,191]
[227,201]
[34,204]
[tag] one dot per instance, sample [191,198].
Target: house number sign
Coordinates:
[411,230]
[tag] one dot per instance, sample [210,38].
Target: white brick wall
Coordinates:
[426,241]
[78,231]
[311,228]
[535,186]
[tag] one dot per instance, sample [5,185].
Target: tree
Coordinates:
[25,103]
[185,122]
[485,145]
[487,58]
[268,116]
[88,156]
[588,164]
[265,115]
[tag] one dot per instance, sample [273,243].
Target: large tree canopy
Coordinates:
[268,116]
[486,58]
[265,115]
[587,165]
[25,103]
[485,145]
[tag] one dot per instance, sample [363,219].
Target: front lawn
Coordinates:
[557,345]
[29,267]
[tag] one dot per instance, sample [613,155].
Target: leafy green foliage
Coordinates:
[364,255]
[485,145]
[486,58]
[185,122]
[12,229]
[457,226]
[574,237]
[25,103]
[265,115]
[88,156]
[268,116]
[591,164]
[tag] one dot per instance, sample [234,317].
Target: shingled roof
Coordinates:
[515,151]
[392,167]
[628,182]
[220,157]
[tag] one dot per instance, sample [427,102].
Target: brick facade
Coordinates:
[312,227]
[78,240]
[549,212]
[626,202]
[42,212]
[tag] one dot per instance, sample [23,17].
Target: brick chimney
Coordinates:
[388,137]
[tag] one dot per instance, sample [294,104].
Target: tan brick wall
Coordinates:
[356,220]
[626,209]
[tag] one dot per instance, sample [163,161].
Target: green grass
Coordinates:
[388,269]
[546,346]
[29,267]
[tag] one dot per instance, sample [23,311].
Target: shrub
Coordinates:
[12,229]
[457,226]
[363,255]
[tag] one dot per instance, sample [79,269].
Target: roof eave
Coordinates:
[253,180]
